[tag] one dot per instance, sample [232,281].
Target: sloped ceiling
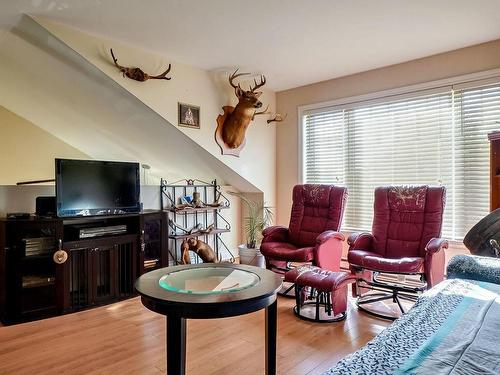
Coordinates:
[51,85]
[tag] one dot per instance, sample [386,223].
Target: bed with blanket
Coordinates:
[454,328]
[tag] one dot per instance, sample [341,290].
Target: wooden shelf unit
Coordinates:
[98,270]
[494,139]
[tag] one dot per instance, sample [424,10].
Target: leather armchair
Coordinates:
[405,239]
[313,234]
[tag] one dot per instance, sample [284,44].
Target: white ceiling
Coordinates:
[293,42]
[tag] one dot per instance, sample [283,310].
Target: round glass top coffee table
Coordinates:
[207,291]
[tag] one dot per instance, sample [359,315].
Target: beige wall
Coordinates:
[209,90]
[82,114]
[69,98]
[27,152]
[455,63]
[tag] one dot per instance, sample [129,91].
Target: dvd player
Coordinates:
[102,231]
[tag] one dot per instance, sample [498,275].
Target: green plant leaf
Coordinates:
[259,217]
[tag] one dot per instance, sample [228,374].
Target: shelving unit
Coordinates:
[494,139]
[188,218]
[30,281]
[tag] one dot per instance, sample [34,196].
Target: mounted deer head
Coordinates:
[136,73]
[232,125]
[248,98]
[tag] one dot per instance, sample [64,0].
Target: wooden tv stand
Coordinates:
[97,271]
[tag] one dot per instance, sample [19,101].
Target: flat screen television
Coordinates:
[91,187]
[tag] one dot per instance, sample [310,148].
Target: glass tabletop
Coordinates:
[209,280]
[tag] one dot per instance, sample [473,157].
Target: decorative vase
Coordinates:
[251,257]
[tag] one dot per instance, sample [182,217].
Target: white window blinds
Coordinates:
[434,139]
[477,113]
[324,143]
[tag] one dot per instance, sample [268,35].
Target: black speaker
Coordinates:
[46,206]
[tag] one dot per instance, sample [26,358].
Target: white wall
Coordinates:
[210,90]
[57,92]
[74,101]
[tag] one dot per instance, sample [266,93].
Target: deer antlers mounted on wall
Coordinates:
[138,74]
[233,123]
[278,117]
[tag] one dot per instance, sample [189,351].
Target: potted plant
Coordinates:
[259,217]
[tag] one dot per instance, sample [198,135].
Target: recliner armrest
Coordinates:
[327,235]
[435,245]
[276,233]
[328,250]
[435,260]
[360,240]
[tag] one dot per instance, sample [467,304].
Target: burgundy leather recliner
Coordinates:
[313,234]
[405,240]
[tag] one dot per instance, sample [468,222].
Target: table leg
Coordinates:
[176,345]
[271,333]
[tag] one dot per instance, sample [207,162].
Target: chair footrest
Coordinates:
[318,278]
[328,288]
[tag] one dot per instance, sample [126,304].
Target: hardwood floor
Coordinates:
[126,338]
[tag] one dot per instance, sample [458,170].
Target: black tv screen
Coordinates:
[91,187]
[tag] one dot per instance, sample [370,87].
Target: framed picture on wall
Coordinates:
[189,116]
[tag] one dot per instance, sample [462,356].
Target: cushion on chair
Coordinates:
[372,261]
[315,209]
[356,256]
[406,218]
[319,278]
[287,252]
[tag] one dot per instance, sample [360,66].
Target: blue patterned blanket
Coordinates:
[454,328]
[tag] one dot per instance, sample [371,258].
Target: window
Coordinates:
[435,138]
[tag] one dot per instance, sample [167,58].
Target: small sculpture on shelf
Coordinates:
[195,230]
[197,203]
[216,203]
[189,202]
[202,249]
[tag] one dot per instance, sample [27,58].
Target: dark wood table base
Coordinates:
[176,345]
[271,335]
[176,342]
[178,307]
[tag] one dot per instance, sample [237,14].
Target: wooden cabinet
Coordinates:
[153,242]
[494,170]
[97,271]
[29,283]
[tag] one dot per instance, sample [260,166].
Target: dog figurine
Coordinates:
[202,249]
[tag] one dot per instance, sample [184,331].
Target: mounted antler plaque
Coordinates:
[138,74]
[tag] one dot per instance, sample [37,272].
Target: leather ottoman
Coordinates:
[325,290]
